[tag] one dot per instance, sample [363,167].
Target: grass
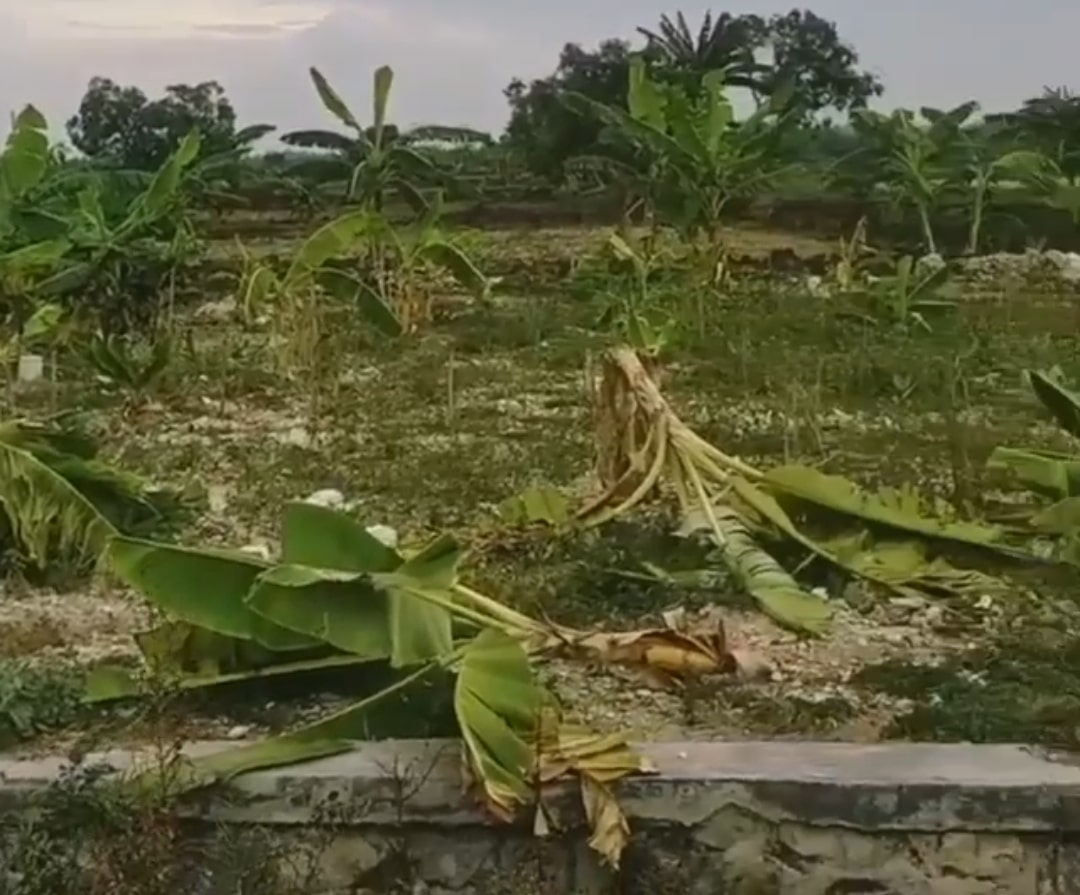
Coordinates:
[37,698]
[1024,687]
[433,434]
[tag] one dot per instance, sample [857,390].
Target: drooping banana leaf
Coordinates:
[498,705]
[332,735]
[780,596]
[902,566]
[50,517]
[1051,473]
[899,509]
[1062,403]
[367,612]
[207,588]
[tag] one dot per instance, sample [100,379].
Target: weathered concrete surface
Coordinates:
[741,818]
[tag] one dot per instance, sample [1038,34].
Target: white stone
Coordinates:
[330,498]
[384,534]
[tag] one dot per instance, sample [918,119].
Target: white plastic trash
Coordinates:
[31,367]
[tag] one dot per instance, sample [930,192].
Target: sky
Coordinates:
[452,58]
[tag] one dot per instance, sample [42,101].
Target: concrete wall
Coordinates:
[719,819]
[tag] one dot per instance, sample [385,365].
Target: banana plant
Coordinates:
[904,297]
[119,361]
[397,270]
[23,164]
[370,265]
[702,157]
[379,161]
[1049,180]
[627,314]
[120,268]
[918,163]
[338,597]
[987,171]
[1050,474]
[59,502]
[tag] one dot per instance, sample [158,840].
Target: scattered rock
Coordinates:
[929,264]
[222,311]
[330,498]
[1052,264]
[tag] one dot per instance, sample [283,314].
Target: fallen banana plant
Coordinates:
[337,597]
[642,444]
[1050,474]
[60,504]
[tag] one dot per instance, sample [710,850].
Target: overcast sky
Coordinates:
[453,57]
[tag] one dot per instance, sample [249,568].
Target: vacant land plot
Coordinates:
[431,433]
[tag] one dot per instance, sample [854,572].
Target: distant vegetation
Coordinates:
[935,179]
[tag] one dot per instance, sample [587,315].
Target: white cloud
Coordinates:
[454,57]
[48,20]
[447,67]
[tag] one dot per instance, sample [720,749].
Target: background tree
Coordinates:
[121,126]
[548,133]
[807,54]
[1049,124]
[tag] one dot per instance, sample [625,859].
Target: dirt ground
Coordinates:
[431,435]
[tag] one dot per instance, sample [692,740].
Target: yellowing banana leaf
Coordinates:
[498,706]
[610,829]
[206,588]
[566,747]
[1062,403]
[899,509]
[598,760]
[1051,473]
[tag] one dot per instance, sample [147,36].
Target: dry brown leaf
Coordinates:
[666,654]
[610,829]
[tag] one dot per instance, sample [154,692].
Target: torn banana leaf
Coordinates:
[1049,473]
[906,567]
[901,566]
[897,508]
[780,596]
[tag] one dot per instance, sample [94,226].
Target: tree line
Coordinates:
[798,54]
